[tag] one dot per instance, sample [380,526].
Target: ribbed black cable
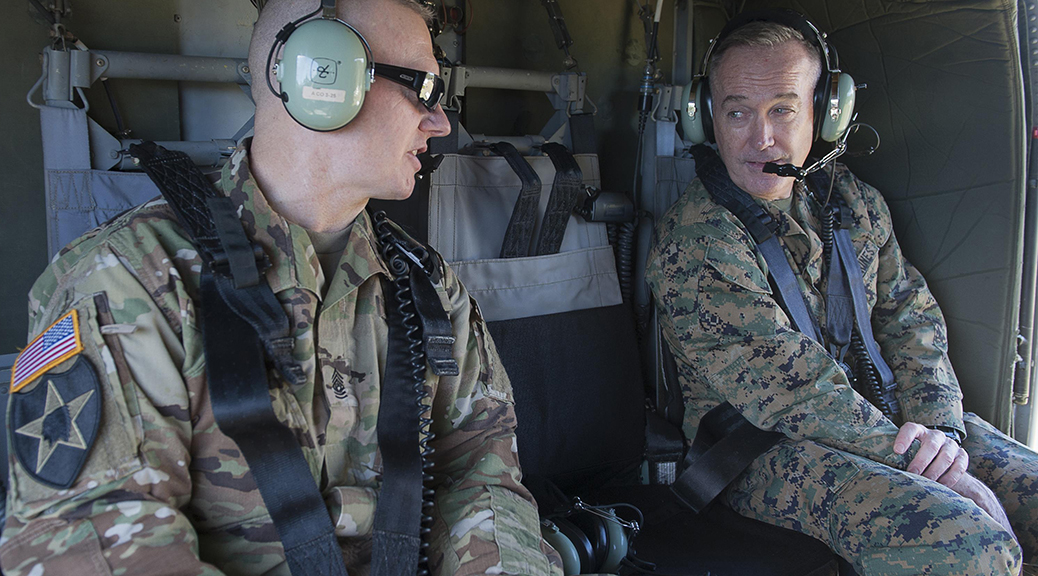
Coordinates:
[400,266]
[865,378]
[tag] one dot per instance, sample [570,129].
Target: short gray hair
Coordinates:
[762,34]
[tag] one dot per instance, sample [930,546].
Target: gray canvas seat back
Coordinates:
[79,197]
[558,320]
[471,199]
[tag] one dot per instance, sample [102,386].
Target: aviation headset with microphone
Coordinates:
[325,68]
[833,95]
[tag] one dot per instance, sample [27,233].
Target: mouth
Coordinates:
[758,165]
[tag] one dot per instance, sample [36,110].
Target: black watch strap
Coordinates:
[950,432]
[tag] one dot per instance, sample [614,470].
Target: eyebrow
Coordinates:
[738,98]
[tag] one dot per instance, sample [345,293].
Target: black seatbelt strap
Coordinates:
[396,529]
[725,444]
[566,191]
[241,404]
[714,176]
[519,234]
[404,503]
[242,318]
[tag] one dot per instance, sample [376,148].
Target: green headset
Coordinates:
[589,539]
[324,69]
[833,96]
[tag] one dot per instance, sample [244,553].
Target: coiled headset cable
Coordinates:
[399,260]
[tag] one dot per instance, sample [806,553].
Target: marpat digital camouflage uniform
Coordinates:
[836,477]
[163,491]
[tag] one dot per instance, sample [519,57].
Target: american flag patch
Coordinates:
[58,343]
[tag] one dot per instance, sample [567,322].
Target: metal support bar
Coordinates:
[66,72]
[202,153]
[568,85]
[141,65]
[526,145]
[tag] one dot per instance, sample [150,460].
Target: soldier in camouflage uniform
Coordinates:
[159,489]
[892,498]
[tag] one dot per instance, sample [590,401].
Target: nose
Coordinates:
[435,123]
[763,133]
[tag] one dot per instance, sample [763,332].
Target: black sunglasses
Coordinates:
[428,86]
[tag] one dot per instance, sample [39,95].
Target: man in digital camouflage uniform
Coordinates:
[892,498]
[161,489]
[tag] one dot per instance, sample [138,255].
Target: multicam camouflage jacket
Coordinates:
[733,342]
[163,491]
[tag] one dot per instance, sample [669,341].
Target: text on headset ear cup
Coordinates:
[323,72]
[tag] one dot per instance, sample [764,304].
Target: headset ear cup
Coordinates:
[836,119]
[694,114]
[618,545]
[323,72]
[554,536]
[585,550]
[597,533]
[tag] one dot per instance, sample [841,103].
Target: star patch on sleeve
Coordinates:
[53,426]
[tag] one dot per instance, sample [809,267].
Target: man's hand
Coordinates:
[977,491]
[939,458]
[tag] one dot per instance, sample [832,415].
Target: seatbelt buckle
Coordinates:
[846,217]
[439,351]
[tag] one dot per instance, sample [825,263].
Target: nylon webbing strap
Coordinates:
[519,234]
[212,221]
[238,323]
[838,303]
[396,538]
[725,444]
[565,193]
[241,404]
[862,318]
[714,176]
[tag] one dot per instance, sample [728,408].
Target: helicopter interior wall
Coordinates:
[945,92]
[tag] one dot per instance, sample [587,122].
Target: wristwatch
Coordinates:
[950,432]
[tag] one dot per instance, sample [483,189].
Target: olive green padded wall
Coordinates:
[23,240]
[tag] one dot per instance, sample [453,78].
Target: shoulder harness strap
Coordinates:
[240,318]
[714,176]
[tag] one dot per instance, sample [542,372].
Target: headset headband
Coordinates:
[785,17]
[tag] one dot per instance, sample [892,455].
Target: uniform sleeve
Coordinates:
[910,329]
[121,513]
[485,521]
[725,327]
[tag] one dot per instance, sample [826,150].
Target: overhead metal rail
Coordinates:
[67,73]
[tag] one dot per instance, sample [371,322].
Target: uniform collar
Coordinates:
[295,263]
